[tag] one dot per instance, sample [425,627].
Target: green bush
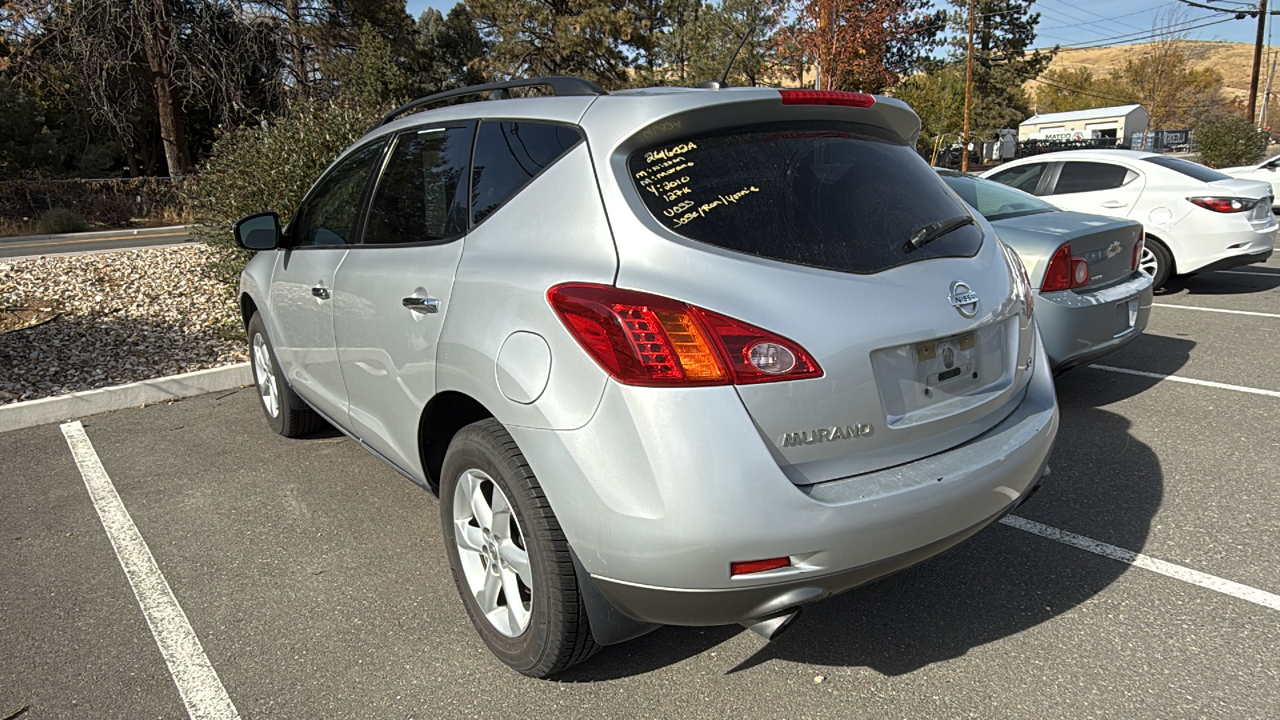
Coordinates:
[1231,141]
[268,167]
[62,220]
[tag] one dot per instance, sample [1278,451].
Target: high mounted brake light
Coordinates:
[827,97]
[649,340]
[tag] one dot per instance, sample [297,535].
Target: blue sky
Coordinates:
[1081,22]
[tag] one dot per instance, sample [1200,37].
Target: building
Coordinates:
[1109,122]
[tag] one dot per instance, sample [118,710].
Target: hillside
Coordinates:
[1233,60]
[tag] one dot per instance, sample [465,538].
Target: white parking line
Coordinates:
[1189,381]
[202,692]
[1217,310]
[1146,562]
[1246,272]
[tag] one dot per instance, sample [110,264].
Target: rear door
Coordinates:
[394,287]
[300,299]
[1091,186]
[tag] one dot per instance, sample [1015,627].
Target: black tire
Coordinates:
[558,634]
[293,417]
[1164,263]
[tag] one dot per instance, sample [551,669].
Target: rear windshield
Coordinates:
[1188,168]
[993,200]
[825,196]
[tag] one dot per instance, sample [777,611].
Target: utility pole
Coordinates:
[1257,60]
[968,90]
[1266,94]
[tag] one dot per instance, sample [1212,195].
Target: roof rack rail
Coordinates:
[559,84]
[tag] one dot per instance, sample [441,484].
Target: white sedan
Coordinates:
[1268,171]
[1196,219]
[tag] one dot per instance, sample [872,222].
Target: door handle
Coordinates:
[420,304]
[1114,204]
[321,292]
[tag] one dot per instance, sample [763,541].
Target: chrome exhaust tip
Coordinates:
[771,627]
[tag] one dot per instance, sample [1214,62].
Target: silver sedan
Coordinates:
[1091,298]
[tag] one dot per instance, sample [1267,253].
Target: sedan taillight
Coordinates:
[1065,272]
[1137,250]
[1224,204]
[649,340]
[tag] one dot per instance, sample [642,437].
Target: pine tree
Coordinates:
[1003,32]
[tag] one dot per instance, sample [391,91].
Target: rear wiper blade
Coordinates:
[935,230]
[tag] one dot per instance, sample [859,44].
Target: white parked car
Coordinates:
[1268,171]
[1196,219]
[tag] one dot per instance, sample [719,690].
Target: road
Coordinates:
[316,581]
[32,245]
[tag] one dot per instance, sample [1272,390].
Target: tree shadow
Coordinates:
[1105,484]
[1259,279]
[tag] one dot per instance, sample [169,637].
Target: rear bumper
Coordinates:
[656,524]
[1078,328]
[1237,260]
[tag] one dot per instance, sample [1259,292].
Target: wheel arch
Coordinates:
[247,308]
[442,418]
[1173,261]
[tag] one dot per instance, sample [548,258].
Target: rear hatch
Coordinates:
[803,228]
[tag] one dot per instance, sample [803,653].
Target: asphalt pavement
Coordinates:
[36,245]
[316,581]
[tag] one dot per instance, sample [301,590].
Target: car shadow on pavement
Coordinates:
[1158,354]
[1105,484]
[1259,279]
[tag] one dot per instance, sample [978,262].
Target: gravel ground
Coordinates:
[122,317]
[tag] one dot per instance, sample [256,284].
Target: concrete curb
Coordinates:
[118,397]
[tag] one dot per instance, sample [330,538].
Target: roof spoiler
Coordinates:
[560,85]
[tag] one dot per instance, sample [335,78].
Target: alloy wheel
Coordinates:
[1149,263]
[492,551]
[265,376]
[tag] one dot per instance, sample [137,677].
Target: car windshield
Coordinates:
[993,200]
[1188,168]
[818,194]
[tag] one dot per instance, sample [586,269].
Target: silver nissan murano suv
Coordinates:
[668,356]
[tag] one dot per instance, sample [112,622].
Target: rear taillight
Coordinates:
[1020,278]
[827,97]
[1137,250]
[649,340]
[1065,272]
[1224,204]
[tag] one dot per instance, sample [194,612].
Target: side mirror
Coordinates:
[258,232]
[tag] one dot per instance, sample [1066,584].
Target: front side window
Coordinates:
[422,194]
[993,200]
[328,215]
[1078,176]
[1024,177]
[815,194]
[508,155]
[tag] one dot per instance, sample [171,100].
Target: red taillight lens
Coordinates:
[649,340]
[1224,204]
[747,567]
[827,97]
[1137,250]
[1065,272]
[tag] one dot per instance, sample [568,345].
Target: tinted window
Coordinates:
[508,155]
[1089,177]
[993,200]
[421,195]
[328,215]
[1023,177]
[825,197]
[1188,168]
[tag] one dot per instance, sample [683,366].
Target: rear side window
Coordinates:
[1023,177]
[828,197]
[422,194]
[1188,168]
[508,155]
[1077,177]
[993,200]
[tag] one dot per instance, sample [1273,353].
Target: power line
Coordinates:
[1090,12]
[1135,37]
